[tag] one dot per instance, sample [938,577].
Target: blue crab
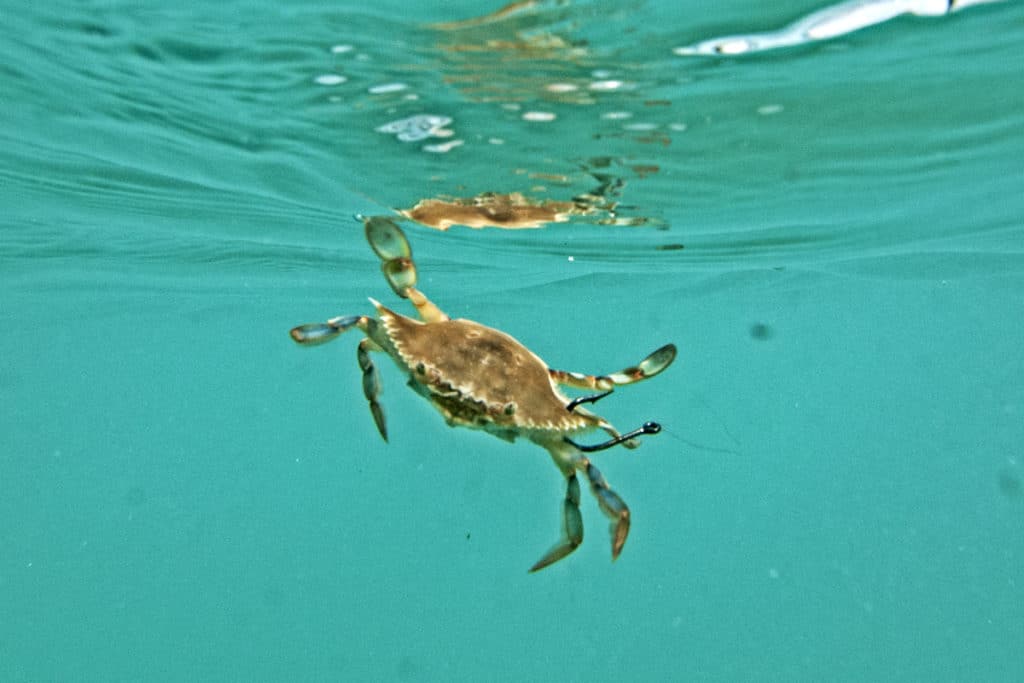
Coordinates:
[483,378]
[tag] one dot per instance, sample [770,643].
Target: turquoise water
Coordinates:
[831,234]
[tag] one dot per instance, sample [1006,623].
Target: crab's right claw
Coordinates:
[390,244]
[657,361]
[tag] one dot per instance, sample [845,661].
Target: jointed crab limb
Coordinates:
[569,460]
[385,237]
[390,244]
[371,383]
[312,334]
[425,307]
[611,505]
[479,377]
[624,439]
[648,367]
[572,525]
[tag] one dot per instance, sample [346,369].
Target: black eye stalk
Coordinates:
[647,428]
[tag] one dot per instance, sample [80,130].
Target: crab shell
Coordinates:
[479,377]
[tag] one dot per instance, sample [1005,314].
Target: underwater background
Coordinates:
[831,234]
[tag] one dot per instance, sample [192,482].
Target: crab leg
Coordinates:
[648,367]
[572,524]
[392,247]
[313,334]
[570,460]
[425,307]
[371,383]
[612,506]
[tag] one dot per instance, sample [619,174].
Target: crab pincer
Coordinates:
[482,378]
